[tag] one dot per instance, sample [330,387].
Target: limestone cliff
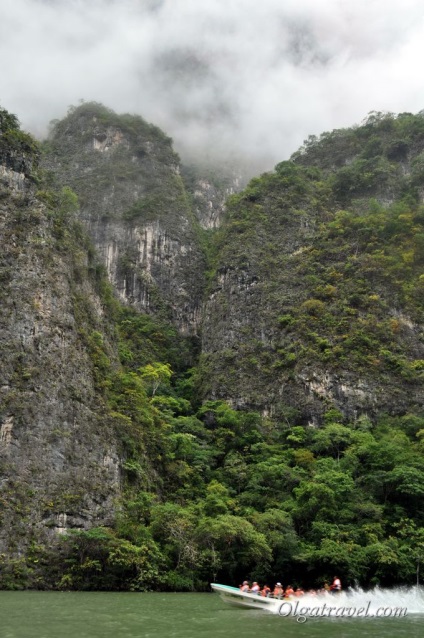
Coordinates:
[135,207]
[210,186]
[59,461]
[306,290]
[318,296]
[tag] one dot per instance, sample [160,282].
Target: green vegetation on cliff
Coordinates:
[135,206]
[318,294]
[312,328]
[100,152]
[18,150]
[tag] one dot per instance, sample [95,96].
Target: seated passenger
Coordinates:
[336,586]
[255,589]
[278,591]
[245,586]
[266,591]
[289,592]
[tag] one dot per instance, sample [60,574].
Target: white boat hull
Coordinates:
[233,596]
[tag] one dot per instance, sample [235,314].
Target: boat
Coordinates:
[234,596]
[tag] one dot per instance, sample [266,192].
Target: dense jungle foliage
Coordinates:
[217,494]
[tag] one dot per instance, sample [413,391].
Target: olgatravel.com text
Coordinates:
[302,612]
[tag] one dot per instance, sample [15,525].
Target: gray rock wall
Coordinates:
[136,209]
[59,462]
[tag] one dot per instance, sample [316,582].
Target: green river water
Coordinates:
[156,615]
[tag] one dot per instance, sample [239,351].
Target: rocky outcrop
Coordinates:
[210,187]
[135,207]
[59,461]
[311,307]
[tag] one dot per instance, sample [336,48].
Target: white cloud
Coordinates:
[220,76]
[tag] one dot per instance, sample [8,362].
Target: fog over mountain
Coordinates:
[220,76]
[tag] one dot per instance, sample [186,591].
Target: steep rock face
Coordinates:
[136,209]
[318,297]
[241,333]
[210,188]
[59,462]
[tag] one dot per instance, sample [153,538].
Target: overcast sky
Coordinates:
[220,76]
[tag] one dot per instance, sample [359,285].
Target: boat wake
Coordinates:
[356,603]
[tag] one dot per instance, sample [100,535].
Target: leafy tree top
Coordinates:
[8,121]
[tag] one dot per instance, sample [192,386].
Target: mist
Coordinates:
[224,78]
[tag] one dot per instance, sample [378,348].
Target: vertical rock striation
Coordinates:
[59,461]
[136,208]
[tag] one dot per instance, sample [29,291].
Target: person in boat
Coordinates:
[265,591]
[245,587]
[336,586]
[289,591]
[299,592]
[255,589]
[278,591]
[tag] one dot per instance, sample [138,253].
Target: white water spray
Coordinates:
[357,603]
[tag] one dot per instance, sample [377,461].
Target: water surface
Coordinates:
[156,615]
